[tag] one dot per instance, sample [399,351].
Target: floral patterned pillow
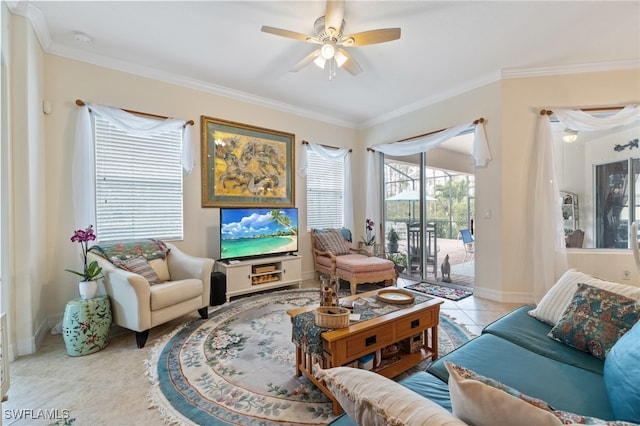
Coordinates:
[595,320]
[461,374]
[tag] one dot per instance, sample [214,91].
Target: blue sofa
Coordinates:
[516,351]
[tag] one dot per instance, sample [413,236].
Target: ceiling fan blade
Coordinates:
[289,34]
[305,61]
[333,15]
[371,37]
[350,64]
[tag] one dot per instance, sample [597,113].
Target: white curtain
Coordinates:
[549,257]
[83,173]
[372,196]
[481,156]
[333,154]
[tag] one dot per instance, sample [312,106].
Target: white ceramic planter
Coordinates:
[88,289]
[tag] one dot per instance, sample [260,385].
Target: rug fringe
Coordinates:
[155,397]
[464,327]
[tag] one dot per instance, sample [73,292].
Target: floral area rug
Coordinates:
[238,367]
[439,291]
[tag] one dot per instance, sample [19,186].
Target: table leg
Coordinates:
[434,342]
[299,356]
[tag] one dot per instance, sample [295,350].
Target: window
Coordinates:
[325,192]
[601,171]
[615,191]
[138,184]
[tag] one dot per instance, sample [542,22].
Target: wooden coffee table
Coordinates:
[345,345]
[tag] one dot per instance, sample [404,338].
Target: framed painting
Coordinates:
[244,165]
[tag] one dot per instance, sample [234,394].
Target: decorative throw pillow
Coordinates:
[595,320]
[622,375]
[371,399]
[480,400]
[161,268]
[138,265]
[346,234]
[556,300]
[332,240]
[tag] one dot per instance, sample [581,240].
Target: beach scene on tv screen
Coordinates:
[257,232]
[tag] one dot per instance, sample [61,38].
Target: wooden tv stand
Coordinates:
[251,275]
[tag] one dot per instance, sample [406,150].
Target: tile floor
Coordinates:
[109,387]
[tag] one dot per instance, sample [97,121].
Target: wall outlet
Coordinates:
[626,274]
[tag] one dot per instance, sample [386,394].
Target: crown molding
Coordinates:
[432,100]
[191,83]
[35,17]
[39,25]
[508,73]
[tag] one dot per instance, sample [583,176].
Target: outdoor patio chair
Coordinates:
[414,253]
[469,243]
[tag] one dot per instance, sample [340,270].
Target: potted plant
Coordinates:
[92,271]
[400,261]
[369,238]
[392,237]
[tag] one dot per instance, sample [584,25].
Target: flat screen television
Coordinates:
[257,232]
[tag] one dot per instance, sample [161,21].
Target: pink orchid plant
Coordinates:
[370,237]
[92,271]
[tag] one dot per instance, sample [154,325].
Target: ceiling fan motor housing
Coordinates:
[321,33]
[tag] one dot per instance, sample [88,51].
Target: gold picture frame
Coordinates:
[245,165]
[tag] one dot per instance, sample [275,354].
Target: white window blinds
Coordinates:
[138,184]
[325,192]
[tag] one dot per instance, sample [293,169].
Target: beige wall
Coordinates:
[522,100]
[503,209]
[482,102]
[26,275]
[67,80]
[42,149]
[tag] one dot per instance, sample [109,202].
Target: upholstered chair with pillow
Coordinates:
[333,255]
[150,282]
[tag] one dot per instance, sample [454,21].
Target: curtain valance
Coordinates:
[139,126]
[481,154]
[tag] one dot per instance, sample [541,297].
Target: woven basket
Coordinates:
[331,317]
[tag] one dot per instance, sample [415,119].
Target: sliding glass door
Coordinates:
[424,208]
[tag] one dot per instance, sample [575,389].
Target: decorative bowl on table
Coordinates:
[396,296]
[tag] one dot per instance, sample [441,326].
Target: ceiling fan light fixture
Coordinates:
[340,58]
[569,135]
[319,61]
[328,50]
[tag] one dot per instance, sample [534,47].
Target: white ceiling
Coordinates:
[446,47]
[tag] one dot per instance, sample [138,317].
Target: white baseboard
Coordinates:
[4,362]
[309,275]
[31,344]
[503,297]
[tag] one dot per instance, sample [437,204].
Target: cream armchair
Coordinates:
[183,287]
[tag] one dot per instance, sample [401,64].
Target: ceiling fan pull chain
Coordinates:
[332,68]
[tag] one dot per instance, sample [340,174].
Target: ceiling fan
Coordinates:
[328,34]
